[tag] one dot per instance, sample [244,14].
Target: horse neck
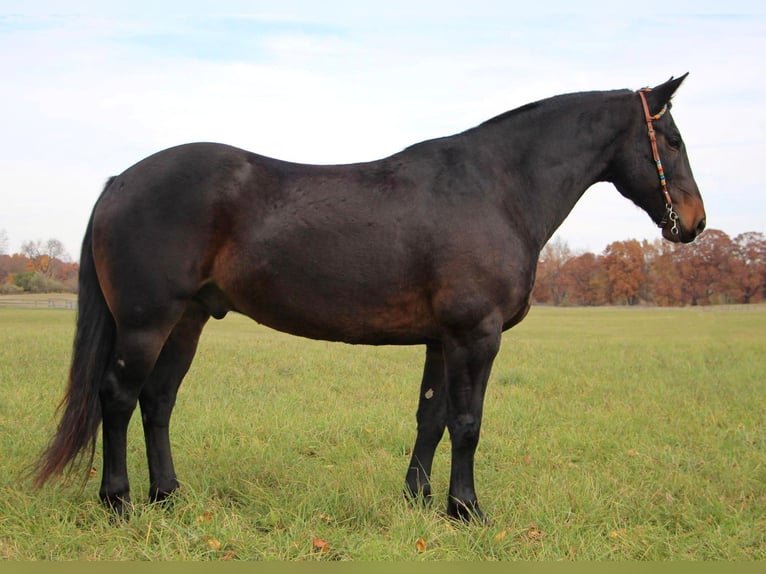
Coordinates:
[552,152]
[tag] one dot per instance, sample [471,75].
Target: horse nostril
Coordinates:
[701,226]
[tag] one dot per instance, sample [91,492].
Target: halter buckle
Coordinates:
[672,217]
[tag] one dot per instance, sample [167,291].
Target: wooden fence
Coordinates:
[39,302]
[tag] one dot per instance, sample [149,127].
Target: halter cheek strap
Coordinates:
[670,213]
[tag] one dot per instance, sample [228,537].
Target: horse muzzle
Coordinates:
[678,231]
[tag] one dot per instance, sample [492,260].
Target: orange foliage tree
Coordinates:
[584,280]
[715,269]
[625,270]
[44,265]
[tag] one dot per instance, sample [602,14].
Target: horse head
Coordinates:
[652,168]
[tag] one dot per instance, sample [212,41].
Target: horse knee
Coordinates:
[464,433]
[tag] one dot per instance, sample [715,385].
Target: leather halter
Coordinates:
[670,213]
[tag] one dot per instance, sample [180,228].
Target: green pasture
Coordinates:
[609,433]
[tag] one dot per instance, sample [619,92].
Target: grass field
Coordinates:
[609,433]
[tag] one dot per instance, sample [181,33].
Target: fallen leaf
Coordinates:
[420,545]
[632,452]
[500,535]
[205,517]
[320,545]
[325,517]
[230,555]
[534,533]
[214,544]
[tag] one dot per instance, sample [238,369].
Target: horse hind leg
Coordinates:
[135,353]
[431,420]
[158,397]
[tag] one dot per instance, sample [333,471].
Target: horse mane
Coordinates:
[552,102]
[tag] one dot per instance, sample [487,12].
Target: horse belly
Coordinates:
[357,302]
[402,318]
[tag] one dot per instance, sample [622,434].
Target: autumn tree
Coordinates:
[705,269]
[715,269]
[10,265]
[583,279]
[751,271]
[44,256]
[548,287]
[664,281]
[625,271]
[40,268]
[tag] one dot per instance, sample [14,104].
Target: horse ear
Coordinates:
[661,95]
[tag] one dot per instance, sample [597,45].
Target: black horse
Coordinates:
[436,245]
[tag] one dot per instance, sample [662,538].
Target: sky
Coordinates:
[88,88]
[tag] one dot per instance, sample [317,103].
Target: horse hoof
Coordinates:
[163,496]
[421,497]
[119,506]
[467,512]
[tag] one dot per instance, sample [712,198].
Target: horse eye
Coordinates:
[674,142]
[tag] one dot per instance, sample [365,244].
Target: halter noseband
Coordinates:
[670,213]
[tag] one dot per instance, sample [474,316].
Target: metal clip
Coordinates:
[673,216]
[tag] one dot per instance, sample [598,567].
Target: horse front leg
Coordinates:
[468,361]
[431,420]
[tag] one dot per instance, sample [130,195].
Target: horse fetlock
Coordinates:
[163,491]
[417,485]
[118,503]
[421,497]
[466,511]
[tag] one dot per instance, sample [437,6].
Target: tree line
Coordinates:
[714,270]
[41,267]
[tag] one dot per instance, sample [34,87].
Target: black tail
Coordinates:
[93,347]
